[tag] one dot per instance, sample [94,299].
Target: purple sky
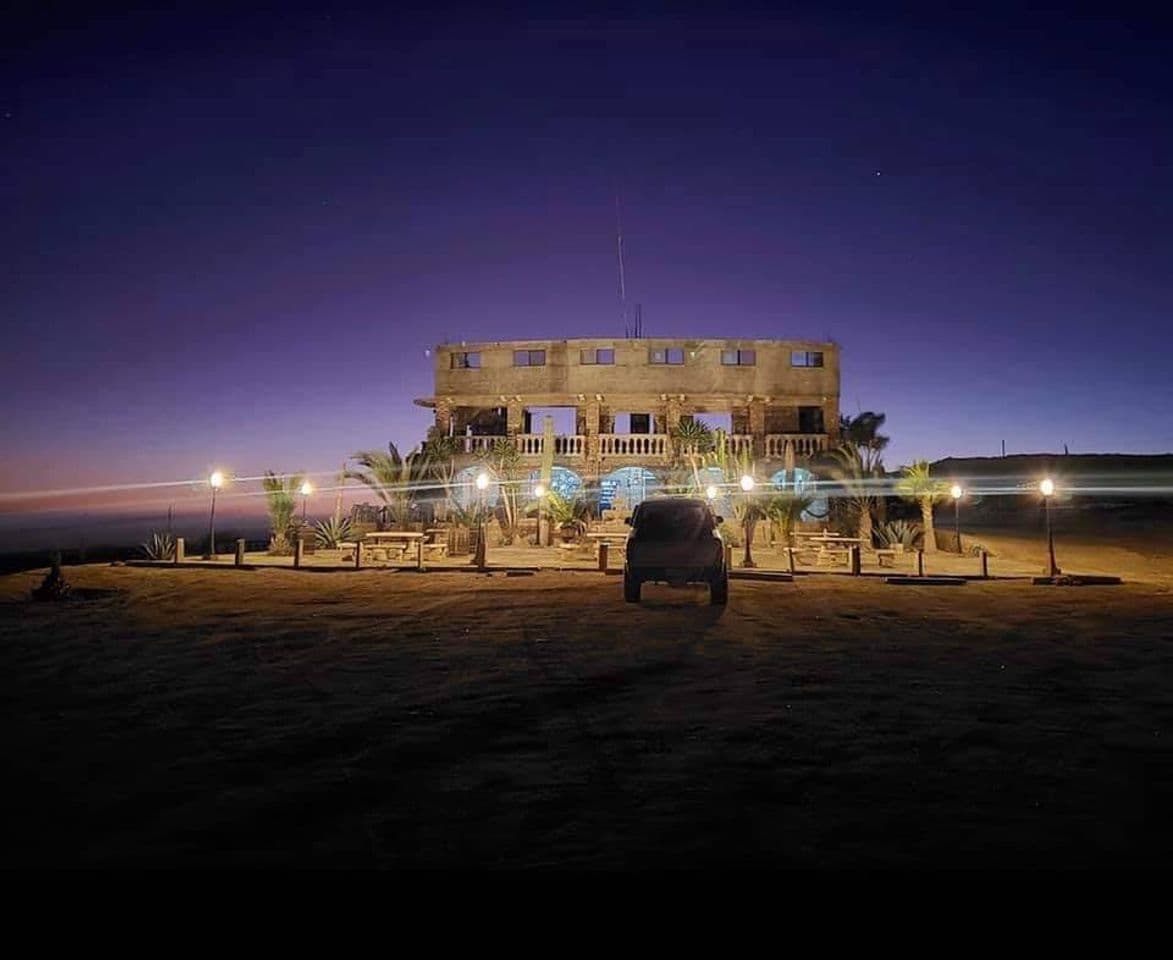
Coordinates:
[228,239]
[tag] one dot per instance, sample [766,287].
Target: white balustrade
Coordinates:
[478,444]
[805,444]
[532,444]
[633,445]
[737,443]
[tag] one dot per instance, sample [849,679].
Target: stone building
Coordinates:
[629,395]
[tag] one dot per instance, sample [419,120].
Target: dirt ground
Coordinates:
[396,719]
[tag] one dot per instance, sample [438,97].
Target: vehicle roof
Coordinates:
[674,502]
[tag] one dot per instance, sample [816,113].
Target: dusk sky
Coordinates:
[228,238]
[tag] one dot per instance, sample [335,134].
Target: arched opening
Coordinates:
[563,481]
[802,482]
[465,492]
[626,487]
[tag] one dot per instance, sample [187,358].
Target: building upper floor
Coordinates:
[588,366]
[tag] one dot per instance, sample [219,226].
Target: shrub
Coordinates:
[898,533]
[331,534]
[161,546]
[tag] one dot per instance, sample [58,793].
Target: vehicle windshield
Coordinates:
[672,521]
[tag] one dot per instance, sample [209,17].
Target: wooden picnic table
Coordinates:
[829,546]
[405,535]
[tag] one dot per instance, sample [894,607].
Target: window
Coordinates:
[739,358]
[810,420]
[805,358]
[601,357]
[672,355]
[466,361]
[529,358]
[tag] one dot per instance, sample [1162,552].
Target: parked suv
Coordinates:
[675,540]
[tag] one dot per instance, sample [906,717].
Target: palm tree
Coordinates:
[281,500]
[503,463]
[748,507]
[785,509]
[693,443]
[440,453]
[862,432]
[917,485]
[849,468]
[392,478]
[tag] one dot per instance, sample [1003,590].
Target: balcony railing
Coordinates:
[633,445]
[651,445]
[805,444]
[735,443]
[478,444]
[565,445]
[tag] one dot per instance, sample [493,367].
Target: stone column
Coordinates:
[831,419]
[514,417]
[739,420]
[592,428]
[671,414]
[443,416]
[757,427]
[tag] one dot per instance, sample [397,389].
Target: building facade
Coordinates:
[780,398]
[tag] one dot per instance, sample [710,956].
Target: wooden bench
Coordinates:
[833,557]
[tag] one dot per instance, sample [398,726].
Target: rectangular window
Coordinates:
[806,358]
[602,357]
[810,420]
[672,355]
[466,361]
[529,358]
[739,358]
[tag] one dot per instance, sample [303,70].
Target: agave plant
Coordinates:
[161,546]
[331,534]
[898,533]
[569,514]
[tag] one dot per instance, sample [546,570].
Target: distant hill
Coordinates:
[1144,467]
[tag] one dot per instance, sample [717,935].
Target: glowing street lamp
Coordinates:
[306,489]
[747,485]
[482,484]
[711,491]
[956,493]
[1047,489]
[215,481]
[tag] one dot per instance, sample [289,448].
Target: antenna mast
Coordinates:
[622,282]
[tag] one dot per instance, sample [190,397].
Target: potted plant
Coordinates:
[569,515]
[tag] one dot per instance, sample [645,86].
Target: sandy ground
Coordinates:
[190,717]
[1144,555]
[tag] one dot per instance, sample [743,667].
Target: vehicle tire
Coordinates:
[630,588]
[719,590]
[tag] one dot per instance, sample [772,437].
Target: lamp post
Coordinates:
[747,485]
[482,485]
[215,481]
[306,489]
[956,492]
[1047,489]
[540,493]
